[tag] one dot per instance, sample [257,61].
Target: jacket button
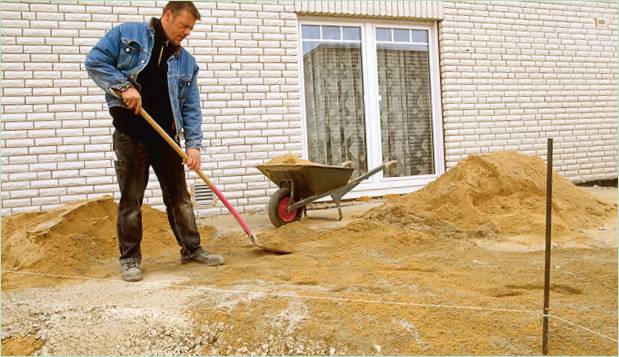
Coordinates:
[126,49]
[142,61]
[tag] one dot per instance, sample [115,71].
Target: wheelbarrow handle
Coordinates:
[339,192]
[372,172]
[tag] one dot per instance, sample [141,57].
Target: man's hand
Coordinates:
[193,158]
[133,99]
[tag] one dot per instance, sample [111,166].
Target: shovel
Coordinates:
[237,216]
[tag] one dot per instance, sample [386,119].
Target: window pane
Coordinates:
[309,46]
[405,109]
[331,33]
[333,84]
[352,33]
[310,31]
[401,35]
[420,36]
[403,46]
[383,34]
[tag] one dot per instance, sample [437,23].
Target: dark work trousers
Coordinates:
[133,161]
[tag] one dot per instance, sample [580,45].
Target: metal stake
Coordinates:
[547,250]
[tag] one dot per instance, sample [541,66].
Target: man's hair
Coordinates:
[177,6]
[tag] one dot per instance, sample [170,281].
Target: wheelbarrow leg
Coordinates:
[337,198]
[292,202]
[292,191]
[339,211]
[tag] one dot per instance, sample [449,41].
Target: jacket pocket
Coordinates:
[129,55]
[184,82]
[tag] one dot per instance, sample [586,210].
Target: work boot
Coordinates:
[201,256]
[130,271]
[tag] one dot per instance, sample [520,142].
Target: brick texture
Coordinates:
[517,72]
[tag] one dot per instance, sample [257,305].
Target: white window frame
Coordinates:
[378,185]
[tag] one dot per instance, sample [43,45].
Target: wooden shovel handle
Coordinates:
[204,178]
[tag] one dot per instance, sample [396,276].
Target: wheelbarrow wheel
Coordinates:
[278,208]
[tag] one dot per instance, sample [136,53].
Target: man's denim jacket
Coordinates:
[117,59]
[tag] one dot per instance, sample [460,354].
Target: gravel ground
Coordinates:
[131,319]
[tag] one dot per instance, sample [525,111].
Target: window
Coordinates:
[371,95]
[333,78]
[405,105]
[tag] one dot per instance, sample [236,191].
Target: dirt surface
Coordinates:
[407,275]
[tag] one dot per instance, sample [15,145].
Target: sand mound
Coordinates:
[494,193]
[288,238]
[289,159]
[74,237]
[20,346]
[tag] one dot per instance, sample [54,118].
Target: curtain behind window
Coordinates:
[405,109]
[334,106]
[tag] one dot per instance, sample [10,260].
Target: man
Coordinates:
[141,65]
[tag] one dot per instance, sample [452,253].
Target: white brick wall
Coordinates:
[56,131]
[512,74]
[517,72]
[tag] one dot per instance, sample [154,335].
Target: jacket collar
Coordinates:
[157,30]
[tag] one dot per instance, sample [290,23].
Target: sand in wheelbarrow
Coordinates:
[289,238]
[289,159]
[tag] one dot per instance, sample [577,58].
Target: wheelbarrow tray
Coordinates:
[308,180]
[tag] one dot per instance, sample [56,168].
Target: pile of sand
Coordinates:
[289,159]
[20,346]
[494,193]
[288,238]
[75,237]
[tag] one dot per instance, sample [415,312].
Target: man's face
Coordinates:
[179,27]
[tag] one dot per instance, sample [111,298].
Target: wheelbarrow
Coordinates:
[301,184]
